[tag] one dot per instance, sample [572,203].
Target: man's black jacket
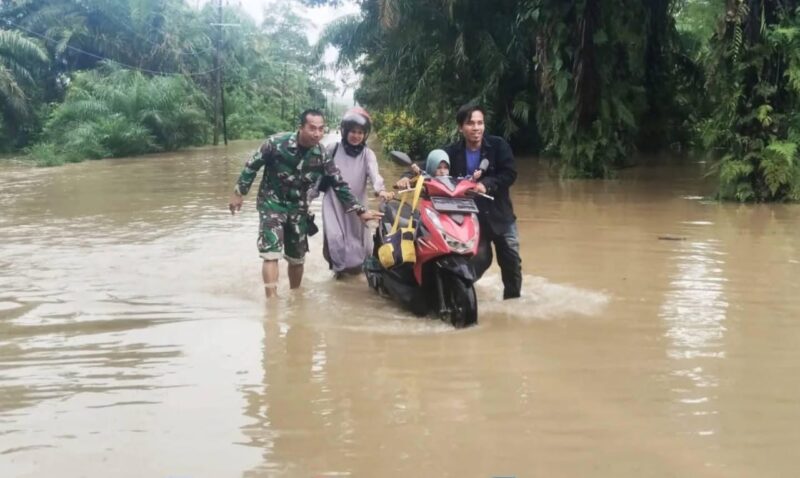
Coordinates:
[498,178]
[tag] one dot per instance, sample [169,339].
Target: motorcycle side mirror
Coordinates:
[400,158]
[484,165]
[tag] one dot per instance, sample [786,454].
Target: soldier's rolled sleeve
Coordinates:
[259,159]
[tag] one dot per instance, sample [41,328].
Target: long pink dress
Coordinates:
[348,239]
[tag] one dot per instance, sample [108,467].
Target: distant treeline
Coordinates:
[590,83]
[106,78]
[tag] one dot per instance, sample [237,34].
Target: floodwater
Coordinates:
[658,336]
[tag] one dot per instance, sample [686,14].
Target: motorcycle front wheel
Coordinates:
[460,301]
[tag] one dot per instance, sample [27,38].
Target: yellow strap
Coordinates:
[417,193]
[414,202]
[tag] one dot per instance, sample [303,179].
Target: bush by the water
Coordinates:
[113,113]
[405,132]
[250,117]
[754,134]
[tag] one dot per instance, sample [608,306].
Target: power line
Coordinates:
[100,57]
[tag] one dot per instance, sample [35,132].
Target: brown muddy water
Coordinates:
[658,336]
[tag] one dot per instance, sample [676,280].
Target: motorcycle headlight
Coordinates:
[458,246]
[454,244]
[434,217]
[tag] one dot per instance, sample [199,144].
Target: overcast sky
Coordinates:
[319,16]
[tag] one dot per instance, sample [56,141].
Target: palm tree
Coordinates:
[18,57]
[418,56]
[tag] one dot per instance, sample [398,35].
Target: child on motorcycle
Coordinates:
[437,164]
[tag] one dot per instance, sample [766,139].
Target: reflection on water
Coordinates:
[656,336]
[694,312]
[695,306]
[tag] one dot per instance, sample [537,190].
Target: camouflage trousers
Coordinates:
[283,232]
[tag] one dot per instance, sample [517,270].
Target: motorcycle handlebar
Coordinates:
[399,191]
[481,194]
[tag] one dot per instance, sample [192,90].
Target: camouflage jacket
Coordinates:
[288,176]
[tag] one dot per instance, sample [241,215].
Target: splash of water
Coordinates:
[540,299]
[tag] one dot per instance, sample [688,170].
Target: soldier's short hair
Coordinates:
[465,113]
[309,112]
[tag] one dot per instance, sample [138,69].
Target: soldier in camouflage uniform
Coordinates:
[293,163]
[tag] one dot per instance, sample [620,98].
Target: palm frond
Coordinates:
[14,44]
[11,93]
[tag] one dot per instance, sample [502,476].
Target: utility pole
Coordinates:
[217,74]
[219,91]
[224,121]
[283,96]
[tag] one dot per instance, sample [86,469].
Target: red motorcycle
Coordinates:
[437,276]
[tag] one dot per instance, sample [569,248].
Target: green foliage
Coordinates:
[113,113]
[698,18]
[426,60]
[46,155]
[402,131]
[779,165]
[583,76]
[589,82]
[249,117]
[5,140]
[270,72]
[20,58]
[591,97]
[754,128]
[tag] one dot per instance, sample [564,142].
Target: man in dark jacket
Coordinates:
[497,219]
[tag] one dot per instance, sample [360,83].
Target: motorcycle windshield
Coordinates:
[447,181]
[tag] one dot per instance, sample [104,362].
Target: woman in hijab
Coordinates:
[347,241]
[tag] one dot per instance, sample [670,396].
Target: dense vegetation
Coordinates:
[587,83]
[591,82]
[754,75]
[104,78]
